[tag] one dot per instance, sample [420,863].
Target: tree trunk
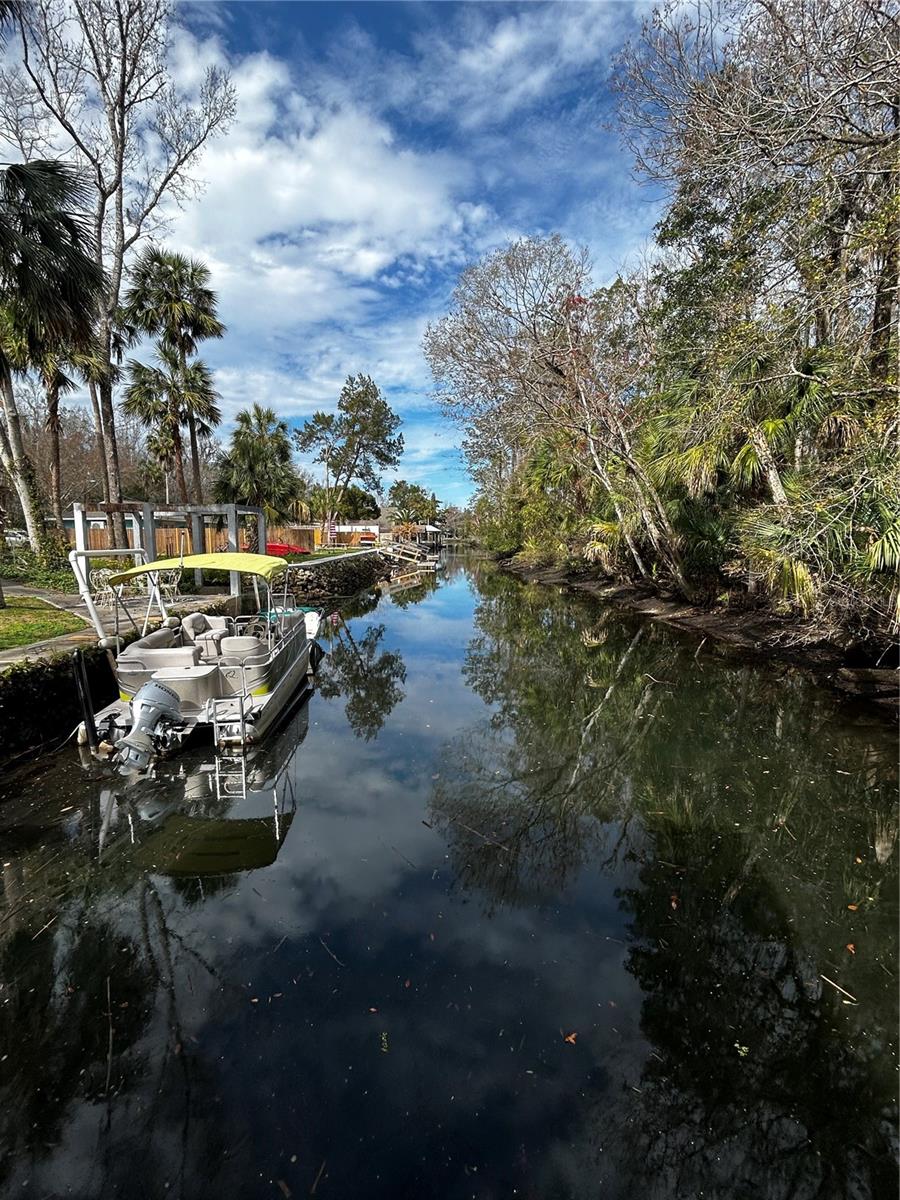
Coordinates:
[52,425]
[603,476]
[886,291]
[19,467]
[178,458]
[111,452]
[101,443]
[769,466]
[662,541]
[195,458]
[2,543]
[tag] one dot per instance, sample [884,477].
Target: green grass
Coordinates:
[27,619]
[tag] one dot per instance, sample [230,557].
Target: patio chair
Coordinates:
[169,582]
[101,589]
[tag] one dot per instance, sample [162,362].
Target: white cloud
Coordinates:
[333,229]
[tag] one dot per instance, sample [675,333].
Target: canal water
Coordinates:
[530,899]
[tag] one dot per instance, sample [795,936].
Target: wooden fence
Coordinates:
[172,541]
[309,537]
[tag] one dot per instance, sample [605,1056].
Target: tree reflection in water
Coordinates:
[667,848]
[359,668]
[609,744]
[96,977]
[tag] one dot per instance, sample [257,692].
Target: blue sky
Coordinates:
[378,149]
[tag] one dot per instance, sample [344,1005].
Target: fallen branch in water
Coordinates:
[333,955]
[109,1052]
[477,833]
[839,988]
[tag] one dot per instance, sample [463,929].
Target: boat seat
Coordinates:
[198,629]
[198,623]
[241,651]
[157,649]
[156,640]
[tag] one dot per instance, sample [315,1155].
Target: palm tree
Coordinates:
[162,395]
[49,287]
[200,412]
[56,382]
[170,297]
[258,469]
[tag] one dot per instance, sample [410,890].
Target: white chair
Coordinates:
[102,593]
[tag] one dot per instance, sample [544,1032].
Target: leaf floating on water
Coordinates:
[850,946]
[853,907]
[571,1038]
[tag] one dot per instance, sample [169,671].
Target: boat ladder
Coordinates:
[231,777]
[229,720]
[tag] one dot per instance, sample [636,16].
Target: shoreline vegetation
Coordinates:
[762,633]
[717,422]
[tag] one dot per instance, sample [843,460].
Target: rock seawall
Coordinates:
[338,578]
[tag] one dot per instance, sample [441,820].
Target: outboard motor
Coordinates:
[153,707]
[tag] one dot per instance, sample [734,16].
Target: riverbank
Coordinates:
[756,632]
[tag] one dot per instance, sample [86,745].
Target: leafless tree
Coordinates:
[531,346]
[795,103]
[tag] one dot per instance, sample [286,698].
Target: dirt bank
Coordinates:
[759,632]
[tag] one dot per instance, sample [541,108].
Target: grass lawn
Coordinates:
[27,619]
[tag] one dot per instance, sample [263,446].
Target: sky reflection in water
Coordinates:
[548,905]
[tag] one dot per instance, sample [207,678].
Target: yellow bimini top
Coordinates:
[264,565]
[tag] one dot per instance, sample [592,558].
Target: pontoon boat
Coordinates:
[234,675]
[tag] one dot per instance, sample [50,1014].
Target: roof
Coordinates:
[264,565]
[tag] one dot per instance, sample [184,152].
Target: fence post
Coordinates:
[148,531]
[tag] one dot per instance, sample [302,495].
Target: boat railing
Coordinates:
[79,561]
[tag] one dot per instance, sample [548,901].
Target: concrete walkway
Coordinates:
[83,638]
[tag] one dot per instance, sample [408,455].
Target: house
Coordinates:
[97,528]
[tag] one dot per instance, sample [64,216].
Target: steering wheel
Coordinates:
[256,628]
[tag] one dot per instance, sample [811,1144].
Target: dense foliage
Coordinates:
[722,420]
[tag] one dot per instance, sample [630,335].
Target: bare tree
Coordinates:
[531,346]
[93,83]
[793,105]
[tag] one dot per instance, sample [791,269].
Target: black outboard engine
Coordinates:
[153,709]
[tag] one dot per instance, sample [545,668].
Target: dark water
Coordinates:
[530,900]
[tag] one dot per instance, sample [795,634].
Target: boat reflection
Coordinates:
[199,816]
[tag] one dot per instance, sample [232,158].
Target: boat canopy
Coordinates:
[263,565]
